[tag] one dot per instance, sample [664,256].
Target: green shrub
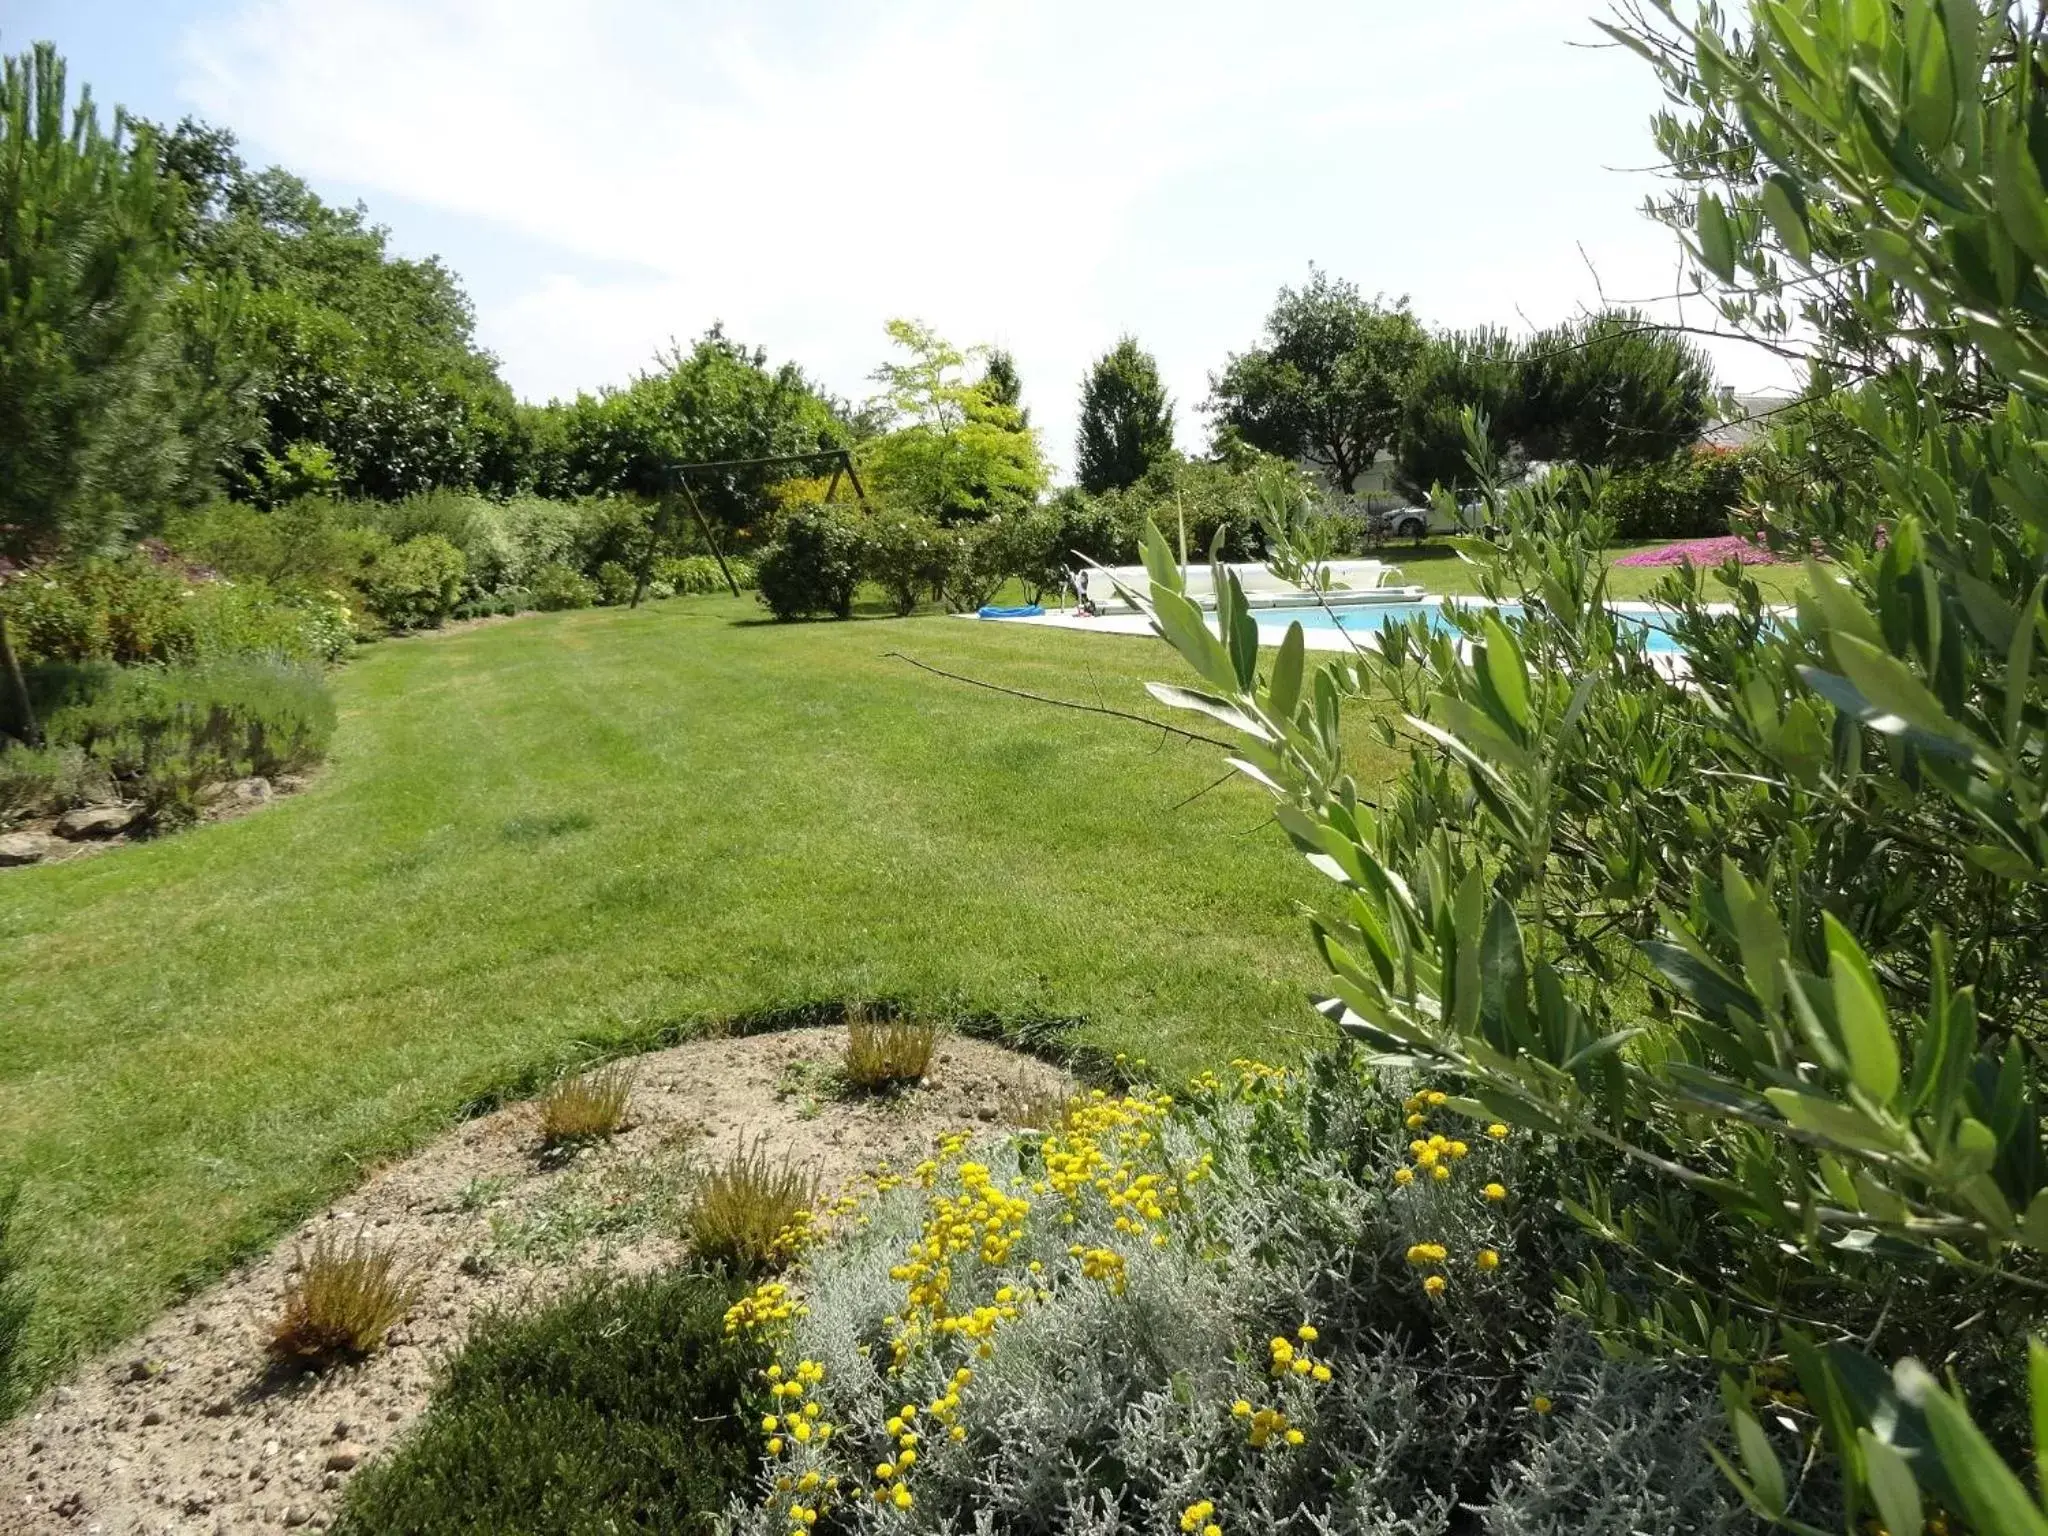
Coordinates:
[230,618]
[165,734]
[814,564]
[311,544]
[977,564]
[556,586]
[1687,497]
[528,533]
[16,1303]
[614,584]
[1300,1300]
[908,557]
[41,781]
[625,1408]
[100,610]
[609,528]
[418,583]
[694,575]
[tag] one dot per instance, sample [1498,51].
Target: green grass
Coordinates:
[542,840]
[1437,567]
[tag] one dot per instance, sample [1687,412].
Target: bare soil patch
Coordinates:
[187,1429]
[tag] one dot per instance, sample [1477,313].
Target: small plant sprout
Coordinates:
[586,1108]
[750,1212]
[341,1303]
[1033,1104]
[882,1055]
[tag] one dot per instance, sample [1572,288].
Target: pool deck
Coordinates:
[1273,624]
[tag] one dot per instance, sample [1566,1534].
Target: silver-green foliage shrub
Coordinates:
[1112,1364]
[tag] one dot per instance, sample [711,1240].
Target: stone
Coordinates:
[297,1514]
[246,792]
[152,1418]
[344,1457]
[94,821]
[22,848]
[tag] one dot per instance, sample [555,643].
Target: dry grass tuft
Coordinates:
[586,1108]
[1034,1104]
[885,1054]
[750,1213]
[342,1303]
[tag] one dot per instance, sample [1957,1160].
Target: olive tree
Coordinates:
[1765,925]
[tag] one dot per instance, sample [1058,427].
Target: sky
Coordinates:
[606,175]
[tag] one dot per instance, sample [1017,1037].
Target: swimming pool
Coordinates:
[1366,619]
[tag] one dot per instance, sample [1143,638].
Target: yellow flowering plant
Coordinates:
[1218,1306]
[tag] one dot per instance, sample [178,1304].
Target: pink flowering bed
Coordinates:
[1703,552]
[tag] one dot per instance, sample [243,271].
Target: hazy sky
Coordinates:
[1044,176]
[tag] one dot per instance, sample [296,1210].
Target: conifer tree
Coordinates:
[1126,419]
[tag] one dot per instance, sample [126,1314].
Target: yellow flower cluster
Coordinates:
[983,1220]
[1294,1359]
[1262,1424]
[767,1304]
[799,1421]
[902,1428]
[1433,1156]
[1255,1076]
[1198,1519]
[1104,1264]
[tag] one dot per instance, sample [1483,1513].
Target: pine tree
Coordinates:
[1126,419]
[89,428]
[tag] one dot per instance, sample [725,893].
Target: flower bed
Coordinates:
[1703,552]
[1284,1302]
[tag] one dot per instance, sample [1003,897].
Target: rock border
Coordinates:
[99,827]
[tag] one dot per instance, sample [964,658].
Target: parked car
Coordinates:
[1415,523]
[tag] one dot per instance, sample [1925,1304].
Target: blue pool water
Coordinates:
[1369,618]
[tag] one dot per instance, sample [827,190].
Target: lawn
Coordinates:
[1437,567]
[568,834]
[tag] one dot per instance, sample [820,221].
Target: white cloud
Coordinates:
[1042,176]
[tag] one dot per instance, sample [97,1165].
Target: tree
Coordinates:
[366,355]
[716,401]
[955,453]
[1477,372]
[1610,390]
[1126,420]
[1329,383]
[1001,383]
[88,427]
[1613,389]
[1767,933]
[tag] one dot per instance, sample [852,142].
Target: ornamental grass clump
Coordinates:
[883,1055]
[342,1303]
[1212,1313]
[751,1213]
[586,1108]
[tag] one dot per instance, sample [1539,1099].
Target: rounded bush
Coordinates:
[556,586]
[417,584]
[813,566]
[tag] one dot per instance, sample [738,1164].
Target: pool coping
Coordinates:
[1273,623]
